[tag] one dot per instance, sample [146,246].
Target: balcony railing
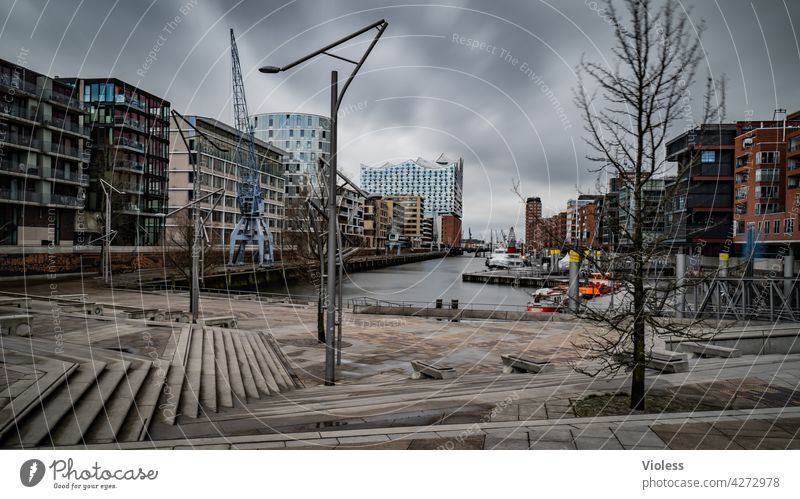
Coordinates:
[17,112]
[18,167]
[67,126]
[65,100]
[21,140]
[125,142]
[130,123]
[130,165]
[41,198]
[68,175]
[17,84]
[62,149]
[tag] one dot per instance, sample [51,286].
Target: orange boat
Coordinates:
[599,284]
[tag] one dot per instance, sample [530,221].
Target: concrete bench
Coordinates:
[423,369]
[17,324]
[141,313]
[229,322]
[16,302]
[516,364]
[709,350]
[184,317]
[87,307]
[664,361]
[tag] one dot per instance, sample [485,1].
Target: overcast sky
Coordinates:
[424,90]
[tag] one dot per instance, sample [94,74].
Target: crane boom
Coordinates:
[251,228]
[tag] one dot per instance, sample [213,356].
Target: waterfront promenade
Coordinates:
[222,396]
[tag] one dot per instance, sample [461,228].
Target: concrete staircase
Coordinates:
[216,368]
[69,394]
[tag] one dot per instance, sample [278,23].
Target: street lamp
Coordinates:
[336,99]
[107,188]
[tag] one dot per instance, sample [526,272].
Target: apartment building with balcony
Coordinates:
[213,169]
[130,151]
[767,184]
[699,216]
[43,160]
[377,223]
[350,210]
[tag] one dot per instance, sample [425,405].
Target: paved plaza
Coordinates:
[111,381]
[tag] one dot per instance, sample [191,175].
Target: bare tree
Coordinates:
[629,108]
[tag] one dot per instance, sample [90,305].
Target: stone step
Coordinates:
[284,360]
[169,399]
[138,420]
[190,393]
[208,373]
[278,369]
[70,430]
[255,369]
[248,381]
[262,362]
[234,371]
[223,375]
[55,375]
[115,411]
[36,425]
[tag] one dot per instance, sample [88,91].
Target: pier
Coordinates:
[511,278]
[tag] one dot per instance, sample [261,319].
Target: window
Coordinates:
[708,156]
[291,133]
[788,225]
[776,227]
[767,157]
[766,227]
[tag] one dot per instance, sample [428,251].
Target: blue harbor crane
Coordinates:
[251,228]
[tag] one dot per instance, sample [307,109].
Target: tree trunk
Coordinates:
[637,380]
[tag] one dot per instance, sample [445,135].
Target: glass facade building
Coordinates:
[305,138]
[439,183]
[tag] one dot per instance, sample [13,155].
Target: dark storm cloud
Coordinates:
[502,100]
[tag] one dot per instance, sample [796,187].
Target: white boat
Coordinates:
[502,259]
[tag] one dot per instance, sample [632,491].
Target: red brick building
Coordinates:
[767,183]
[451,231]
[533,225]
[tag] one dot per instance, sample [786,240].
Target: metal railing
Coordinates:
[444,304]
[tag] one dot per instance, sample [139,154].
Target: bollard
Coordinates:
[574,266]
[788,276]
[680,281]
[723,264]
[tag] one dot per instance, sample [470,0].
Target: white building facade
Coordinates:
[439,183]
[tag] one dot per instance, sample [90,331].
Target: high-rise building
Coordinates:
[218,170]
[306,138]
[533,225]
[43,163]
[130,151]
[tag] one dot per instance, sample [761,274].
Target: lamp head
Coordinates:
[269,69]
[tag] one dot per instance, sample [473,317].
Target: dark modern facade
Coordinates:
[699,216]
[43,160]
[130,135]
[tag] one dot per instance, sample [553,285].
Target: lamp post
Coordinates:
[336,99]
[107,188]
